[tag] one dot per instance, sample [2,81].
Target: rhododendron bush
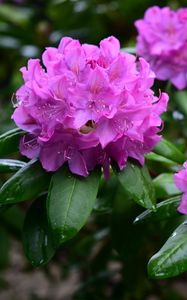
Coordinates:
[93,159]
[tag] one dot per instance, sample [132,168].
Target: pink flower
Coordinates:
[88,106]
[162,41]
[180,180]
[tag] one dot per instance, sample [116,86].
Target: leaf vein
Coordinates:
[69,201]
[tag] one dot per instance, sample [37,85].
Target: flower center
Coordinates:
[88,127]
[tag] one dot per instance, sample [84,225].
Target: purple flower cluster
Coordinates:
[181,182]
[87,106]
[162,41]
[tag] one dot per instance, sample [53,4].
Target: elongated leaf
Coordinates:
[137,183]
[165,209]
[161,159]
[27,183]
[37,237]
[9,141]
[70,201]
[180,99]
[170,151]
[10,165]
[165,186]
[171,260]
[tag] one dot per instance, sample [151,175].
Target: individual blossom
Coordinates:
[180,180]
[162,41]
[87,105]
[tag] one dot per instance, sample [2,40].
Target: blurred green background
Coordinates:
[89,267]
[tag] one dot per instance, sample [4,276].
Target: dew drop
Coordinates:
[136,220]
[41,261]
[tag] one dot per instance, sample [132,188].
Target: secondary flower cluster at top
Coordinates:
[162,41]
[88,106]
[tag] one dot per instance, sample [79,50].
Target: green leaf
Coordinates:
[27,183]
[181,100]
[171,260]
[170,151]
[137,183]
[10,165]
[158,158]
[70,201]
[165,209]
[37,238]
[9,141]
[165,186]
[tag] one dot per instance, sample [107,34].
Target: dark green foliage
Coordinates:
[137,183]
[9,141]
[37,237]
[70,201]
[170,151]
[10,165]
[92,220]
[30,181]
[171,259]
[165,209]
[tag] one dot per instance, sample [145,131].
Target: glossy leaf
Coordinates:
[171,260]
[70,201]
[165,186]
[165,209]
[170,151]
[137,183]
[37,237]
[9,141]
[161,159]
[10,165]
[27,183]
